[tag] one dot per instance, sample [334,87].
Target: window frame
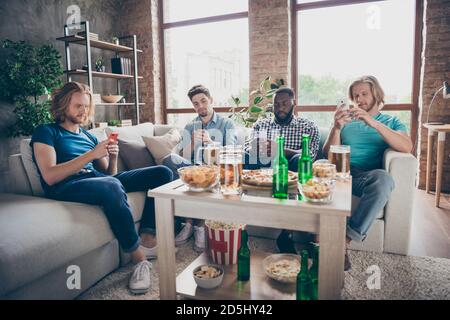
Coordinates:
[413,107]
[190,22]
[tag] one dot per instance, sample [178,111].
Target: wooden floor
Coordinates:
[430,234]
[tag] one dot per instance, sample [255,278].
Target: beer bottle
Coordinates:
[315,274]
[280,172]
[305,162]
[304,279]
[244,258]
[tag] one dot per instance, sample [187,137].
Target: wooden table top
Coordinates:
[438,127]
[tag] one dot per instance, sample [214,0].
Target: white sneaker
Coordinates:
[139,282]
[200,239]
[185,234]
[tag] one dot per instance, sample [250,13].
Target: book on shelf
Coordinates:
[92,36]
[121,65]
[101,124]
[125,123]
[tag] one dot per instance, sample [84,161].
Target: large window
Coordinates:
[337,41]
[205,42]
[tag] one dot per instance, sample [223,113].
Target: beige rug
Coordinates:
[400,277]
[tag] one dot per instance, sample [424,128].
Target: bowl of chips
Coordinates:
[316,190]
[282,267]
[208,276]
[200,178]
[324,170]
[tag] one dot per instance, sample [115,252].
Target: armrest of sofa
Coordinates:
[398,210]
[17,177]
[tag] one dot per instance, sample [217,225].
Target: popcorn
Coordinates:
[219,225]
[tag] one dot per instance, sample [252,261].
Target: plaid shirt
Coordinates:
[292,133]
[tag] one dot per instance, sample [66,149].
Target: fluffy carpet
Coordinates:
[400,277]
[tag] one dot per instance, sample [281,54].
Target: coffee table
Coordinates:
[258,209]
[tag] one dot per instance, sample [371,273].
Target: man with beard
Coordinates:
[74,166]
[283,123]
[206,128]
[369,133]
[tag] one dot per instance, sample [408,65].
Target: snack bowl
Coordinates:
[208,276]
[317,190]
[282,267]
[323,169]
[200,178]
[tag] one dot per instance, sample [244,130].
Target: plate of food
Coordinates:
[317,191]
[263,178]
[282,267]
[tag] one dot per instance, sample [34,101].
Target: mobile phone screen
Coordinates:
[113,136]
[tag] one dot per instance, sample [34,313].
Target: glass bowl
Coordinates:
[317,190]
[323,169]
[200,178]
[282,267]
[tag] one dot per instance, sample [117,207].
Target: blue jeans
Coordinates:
[374,188]
[109,192]
[251,163]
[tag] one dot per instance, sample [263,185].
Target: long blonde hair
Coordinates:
[61,101]
[375,88]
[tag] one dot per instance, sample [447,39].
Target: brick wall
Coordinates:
[435,70]
[270,45]
[140,17]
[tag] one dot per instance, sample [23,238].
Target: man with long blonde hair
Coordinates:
[74,166]
[369,133]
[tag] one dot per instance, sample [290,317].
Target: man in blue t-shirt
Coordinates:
[369,133]
[74,166]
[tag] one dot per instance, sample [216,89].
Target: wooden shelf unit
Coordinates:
[89,43]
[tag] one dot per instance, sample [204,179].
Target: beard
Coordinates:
[76,119]
[286,119]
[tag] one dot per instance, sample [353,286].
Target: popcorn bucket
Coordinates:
[224,241]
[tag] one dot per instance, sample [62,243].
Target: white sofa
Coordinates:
[40,238]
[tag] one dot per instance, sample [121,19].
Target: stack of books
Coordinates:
[101,124]
[92,36]
[121,66]
[125,123]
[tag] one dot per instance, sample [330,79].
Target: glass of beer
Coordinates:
[339,155]
[230,160]
[208,154]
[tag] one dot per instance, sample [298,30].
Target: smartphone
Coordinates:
[345,106]
[113,136]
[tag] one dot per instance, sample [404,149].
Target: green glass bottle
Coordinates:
[304,279]
[314,273]
[244,258]
[305,162]
[280,172]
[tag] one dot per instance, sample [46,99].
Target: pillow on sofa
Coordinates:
[161,146]
[135,155]
[133,133]
[30,168]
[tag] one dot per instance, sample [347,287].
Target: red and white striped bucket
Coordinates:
[223,243]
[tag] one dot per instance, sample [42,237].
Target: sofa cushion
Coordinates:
[161,146]
[30,168]
[133,133]
[39,235]
[135,155]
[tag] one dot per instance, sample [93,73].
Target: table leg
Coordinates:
[440,161]
[429,159]
[331,256]
[166,248]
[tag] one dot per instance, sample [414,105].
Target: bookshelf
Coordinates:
[88,42]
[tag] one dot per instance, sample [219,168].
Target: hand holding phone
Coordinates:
[113,136]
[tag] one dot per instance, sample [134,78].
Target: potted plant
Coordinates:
[100,65]
[28,75]
[115,40]
[260,103]
[113,123]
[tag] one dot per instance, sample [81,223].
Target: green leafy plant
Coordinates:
[260,103]
[27,73]
[100,65]
[113,123]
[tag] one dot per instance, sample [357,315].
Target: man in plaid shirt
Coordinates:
[285,123]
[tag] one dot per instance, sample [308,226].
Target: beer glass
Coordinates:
[230,160]
[208,154]
[339,155]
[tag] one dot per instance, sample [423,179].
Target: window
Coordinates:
[205,42]
[336,43]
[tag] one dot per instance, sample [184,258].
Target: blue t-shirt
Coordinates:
[366,144]
[67,145]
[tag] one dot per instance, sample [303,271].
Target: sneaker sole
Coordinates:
[138,291]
